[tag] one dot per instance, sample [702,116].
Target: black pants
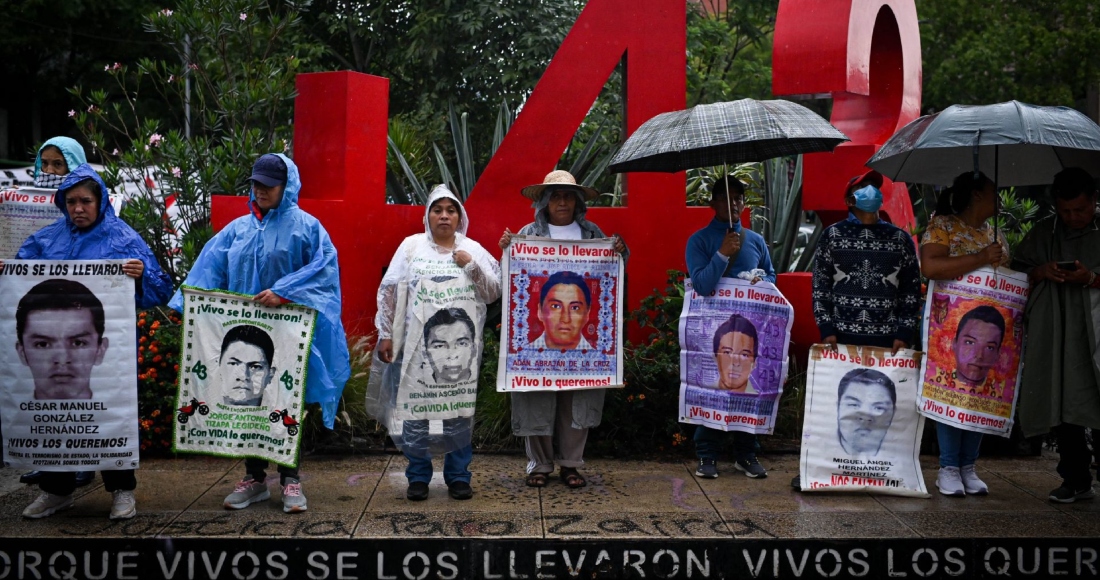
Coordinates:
[1074,457]
[64,482]
[255,468]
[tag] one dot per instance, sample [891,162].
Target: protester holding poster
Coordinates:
[564,306]
[279,254]
[90,230]
[958,241]
[1060,388]
[724,249]
[21,215]
[431,316]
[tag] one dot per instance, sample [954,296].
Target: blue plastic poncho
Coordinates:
[290,253]
[70,149]
[108,238]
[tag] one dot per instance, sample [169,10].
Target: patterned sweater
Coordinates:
[866,284]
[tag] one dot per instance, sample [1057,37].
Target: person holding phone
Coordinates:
[1060,386]
[958,241]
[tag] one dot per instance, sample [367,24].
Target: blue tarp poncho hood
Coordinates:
[70,149]
[290,253]
[108,238]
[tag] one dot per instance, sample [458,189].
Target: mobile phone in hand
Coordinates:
[1070,266]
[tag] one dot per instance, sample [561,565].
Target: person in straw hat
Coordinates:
[559,214]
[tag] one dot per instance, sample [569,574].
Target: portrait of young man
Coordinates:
[866,403]
[246,365]
[735,354]
[450,344]
[564,303]
[977,349]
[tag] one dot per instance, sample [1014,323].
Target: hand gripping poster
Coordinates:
[562,320]
[68,367]
[974,334]
[242,376]
[733,355]
[862,430]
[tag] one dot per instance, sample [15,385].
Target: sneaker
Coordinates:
[460,490]
[708,469]
[418,491]
[294,501]
[750,467]
[124,505]
[47,504]
[1061,495]
[247,492]
[971,482]
[949,481]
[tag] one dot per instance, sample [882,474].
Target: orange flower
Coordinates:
[641,397]
[157,359]
[176,368]
[156,325]
[155,413]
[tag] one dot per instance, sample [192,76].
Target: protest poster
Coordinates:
[733,355]
[441,346]
[562,319]
[242,377]
[68,371]
[974,339]
[861,430]
[23,212]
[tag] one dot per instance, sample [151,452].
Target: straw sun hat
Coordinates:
[558,178]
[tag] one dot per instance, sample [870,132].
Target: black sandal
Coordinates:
[572,478]
[536,480]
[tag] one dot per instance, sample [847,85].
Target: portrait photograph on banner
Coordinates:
[68,368]
[733,355]
[974,336]
[562,316]
[862,430]
[242,376]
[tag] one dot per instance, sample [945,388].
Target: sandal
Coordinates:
[536,480]
[572,478]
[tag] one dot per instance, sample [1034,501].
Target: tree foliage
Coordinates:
[729,51]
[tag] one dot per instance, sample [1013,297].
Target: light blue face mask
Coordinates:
[868,198]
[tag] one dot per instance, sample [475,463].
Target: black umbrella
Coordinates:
[732,132]
[1013,143]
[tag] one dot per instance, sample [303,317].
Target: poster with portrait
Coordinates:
[68,368]
[242,376]
[974,338]
[733,355]
[441,349]
[861,430]
[562,319]
[24,211]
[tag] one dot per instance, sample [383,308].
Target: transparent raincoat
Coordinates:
[434,311]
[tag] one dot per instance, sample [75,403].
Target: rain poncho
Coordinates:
[108,238]
[290,253]
[408,396]
[70,150]
[533,413]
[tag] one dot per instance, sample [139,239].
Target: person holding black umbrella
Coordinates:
[959,240]
[724,249]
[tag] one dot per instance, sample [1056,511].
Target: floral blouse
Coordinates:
[961,239]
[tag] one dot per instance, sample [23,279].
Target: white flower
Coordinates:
[106,68]
[155,139]
[115,152]
[244,16]
[72,112]
[176,172]
[166,12]
[171,78]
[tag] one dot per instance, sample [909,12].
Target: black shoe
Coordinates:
[460,490]
[84,478]
[796,483]
[1066,494]
[418,491]
[31,477]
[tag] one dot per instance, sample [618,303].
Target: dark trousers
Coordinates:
[255,468]
[1074,457]
[64,482]
[708,442]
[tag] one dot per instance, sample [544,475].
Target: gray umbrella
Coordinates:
[732,132]
[1013,143]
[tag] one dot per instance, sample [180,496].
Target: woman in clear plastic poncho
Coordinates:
[431,313]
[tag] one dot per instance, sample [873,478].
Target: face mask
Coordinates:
[868,198]
[48,180]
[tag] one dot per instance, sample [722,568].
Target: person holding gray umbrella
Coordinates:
[959,240]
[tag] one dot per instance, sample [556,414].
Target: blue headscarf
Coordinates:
[70,149]
[107,238]
[289,252]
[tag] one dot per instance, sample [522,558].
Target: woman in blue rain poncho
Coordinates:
[280,254]
[431,313]
[90,230]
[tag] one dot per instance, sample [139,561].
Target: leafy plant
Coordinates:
[1017,216]
[158,368]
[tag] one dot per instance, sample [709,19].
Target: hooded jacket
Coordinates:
[289,252]
[107,238]
[70,149]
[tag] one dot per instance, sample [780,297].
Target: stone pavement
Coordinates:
[648,509]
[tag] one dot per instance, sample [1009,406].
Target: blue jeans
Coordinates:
[456,466]
[708,442]
[958,447]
